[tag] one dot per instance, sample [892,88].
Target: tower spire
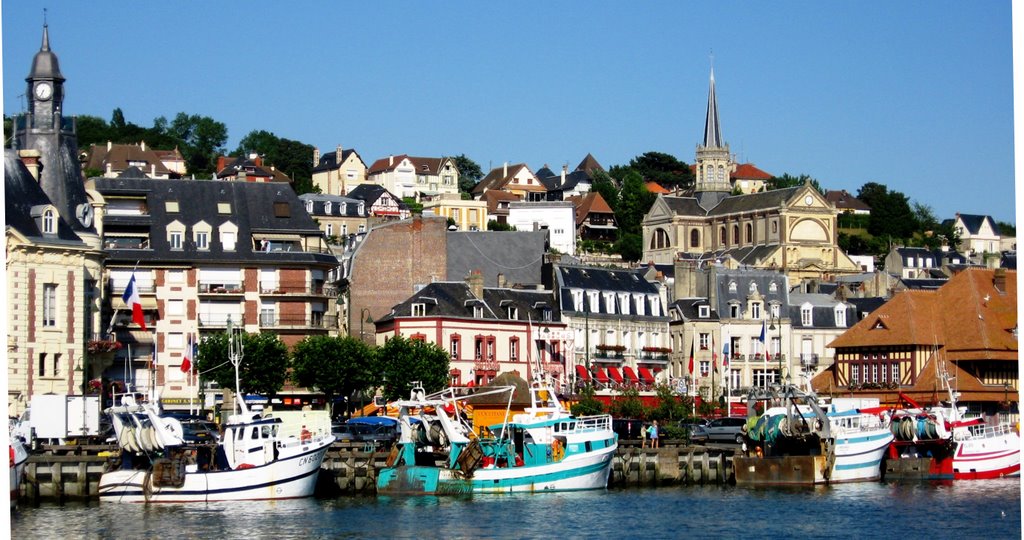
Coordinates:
[46,34]
[712,129]
[714,165]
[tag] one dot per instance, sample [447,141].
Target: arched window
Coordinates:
[750,233]
[660,239]
[49,221]
[694,237]
[723,238]
[775,227]
[710,176]
[721,174]
[736,234]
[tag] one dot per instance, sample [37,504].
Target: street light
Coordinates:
[369,320]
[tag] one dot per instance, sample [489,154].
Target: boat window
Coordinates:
[240,434]
[266,432]
[255,433]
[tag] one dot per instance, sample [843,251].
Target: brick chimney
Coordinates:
[501,281]
[999,280]
[504,170]
[337,155]
[564,169]
[31,159]
[475,281]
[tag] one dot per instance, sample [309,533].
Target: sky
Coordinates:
[914,95]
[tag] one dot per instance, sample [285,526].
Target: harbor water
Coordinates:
[989,509]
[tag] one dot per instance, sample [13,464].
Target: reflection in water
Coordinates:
[973,509]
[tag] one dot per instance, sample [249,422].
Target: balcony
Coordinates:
[298,289]
[142,288]
[488,364]
[221,288]
[809,361]
[652,358]
[281,322]
[125,242]
[218,320]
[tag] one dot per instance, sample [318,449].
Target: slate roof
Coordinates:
[554,181]
[844,201]
[120,155]
[973,223]
[689,309]
[329,161]
[589,165]
[517,255]
[823,313]
[969,318]
[456,299]
[252,211]
[865,306]
[743,278]
[21,193]
[371,193]
[338,203]
[606,280]
[754,201]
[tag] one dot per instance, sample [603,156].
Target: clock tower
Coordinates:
[714,164]
[44,128]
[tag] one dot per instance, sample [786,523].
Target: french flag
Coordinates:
[131,298]
[186,363]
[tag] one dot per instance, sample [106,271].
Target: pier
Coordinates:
[69,473]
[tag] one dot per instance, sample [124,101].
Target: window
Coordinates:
[513,312]
[885,373]
[705,341]
[513,349]
[841,316]
[176,340]
[694,238]
[171,206]
[175,240]
[895,373]
[419,310]
[50,304]
[734,311]
[56,364]
[755,310]
[705,368]
[49,221]
[773,288]
[330,229]
[227,240]
[732,286]
[223,208]
[704,312]
[327,207]
[774,309]
[806,318]
[42,365]
[752,288]
[736,234]
[478,312]
[455,346]
[750,233]
[722,236]
[175,307]
[309,206]
[282,210]
[202,240]
[854,374]
[775,227]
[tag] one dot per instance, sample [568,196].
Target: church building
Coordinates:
[791,230]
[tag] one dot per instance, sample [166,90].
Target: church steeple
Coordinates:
[714,165]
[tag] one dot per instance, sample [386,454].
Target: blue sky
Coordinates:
[913,95]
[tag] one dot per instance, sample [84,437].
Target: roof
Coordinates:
[456,299]
[747,171]
[330,161]
[120,156]
[554,182]
[498,177]
[338,204]
[591,202]
[655,187]
[589,165]
[973,223]
[252,209]
[371,193]
[493,196]
[969,317]
[22,192]
[427,165]
[689,308]
[517,255]
[842,200]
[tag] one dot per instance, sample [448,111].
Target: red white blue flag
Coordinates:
[134,302]
[186,363]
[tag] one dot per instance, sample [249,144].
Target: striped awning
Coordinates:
[630,374]
[645,374]
[582,372]
[613,372]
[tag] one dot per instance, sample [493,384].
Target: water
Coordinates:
[989,509]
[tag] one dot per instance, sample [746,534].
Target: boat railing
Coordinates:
[983,431]
[587,424]
[292,433]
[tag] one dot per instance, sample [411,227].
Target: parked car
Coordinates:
[372,429]
[199,431]
[728,429]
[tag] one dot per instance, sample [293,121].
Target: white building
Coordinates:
[556,217]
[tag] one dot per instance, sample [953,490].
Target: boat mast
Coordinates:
[235,353]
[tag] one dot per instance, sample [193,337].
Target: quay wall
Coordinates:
[73,473]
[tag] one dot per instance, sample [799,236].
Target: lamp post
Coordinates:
[778,354]
[369,320]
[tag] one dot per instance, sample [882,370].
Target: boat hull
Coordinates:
[288,478]
[970,459]
[858,458]
[19,458]
[580,472]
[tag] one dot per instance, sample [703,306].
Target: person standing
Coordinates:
[654,434]
[643,436]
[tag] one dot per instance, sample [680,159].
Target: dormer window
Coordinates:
[49,221]
[478,312]
[174,239]
[309,207]
[327,207]
[732,286]
[513,312]
[202,240]
[806,315]
[753,288]
[841,316]
[419,310]
[704,312]
[773,287]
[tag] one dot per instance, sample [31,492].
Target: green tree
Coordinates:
[469,173]
[629,246]
[92,130]
[262,370]
[634,203]
[670,405]
[587,404]
[1006,229]
[495,225]
[202,140]
[787,181]
[890,212]
[628,405]
[605,185]
[336,366]
[402,362]
[293,158]
[659,167]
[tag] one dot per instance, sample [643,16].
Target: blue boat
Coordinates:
[544,448]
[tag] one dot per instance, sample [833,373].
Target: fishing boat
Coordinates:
[19,457]
[797,441]
[942,443]
[544,448]
[259,457]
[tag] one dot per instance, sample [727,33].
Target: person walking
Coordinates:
[654,434]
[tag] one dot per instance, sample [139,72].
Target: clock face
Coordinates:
[85,214]
[808,200]
[43,90]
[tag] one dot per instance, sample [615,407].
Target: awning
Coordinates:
[605,227]
[600,376]
[630,374]
[582,373]
[133,337]
[613,372]
[645,374]
[277,236]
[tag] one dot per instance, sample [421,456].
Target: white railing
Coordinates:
[586,424]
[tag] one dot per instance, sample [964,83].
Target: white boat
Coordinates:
[797,442]
[258,458]
[542,449]
[19,457]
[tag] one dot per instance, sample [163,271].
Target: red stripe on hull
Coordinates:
[985,475]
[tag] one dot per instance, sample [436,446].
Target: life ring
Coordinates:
[557,451]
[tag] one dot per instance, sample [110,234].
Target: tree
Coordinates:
[263,368]
[659,167]
[336,366]
[402,362]
[634,203]
[469,172]
[587,404]
[293,158]
[629,246]
[787,181]
[628,405]
[670,405]
[495,225]
[202,140]
[605,186]
[890,212]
